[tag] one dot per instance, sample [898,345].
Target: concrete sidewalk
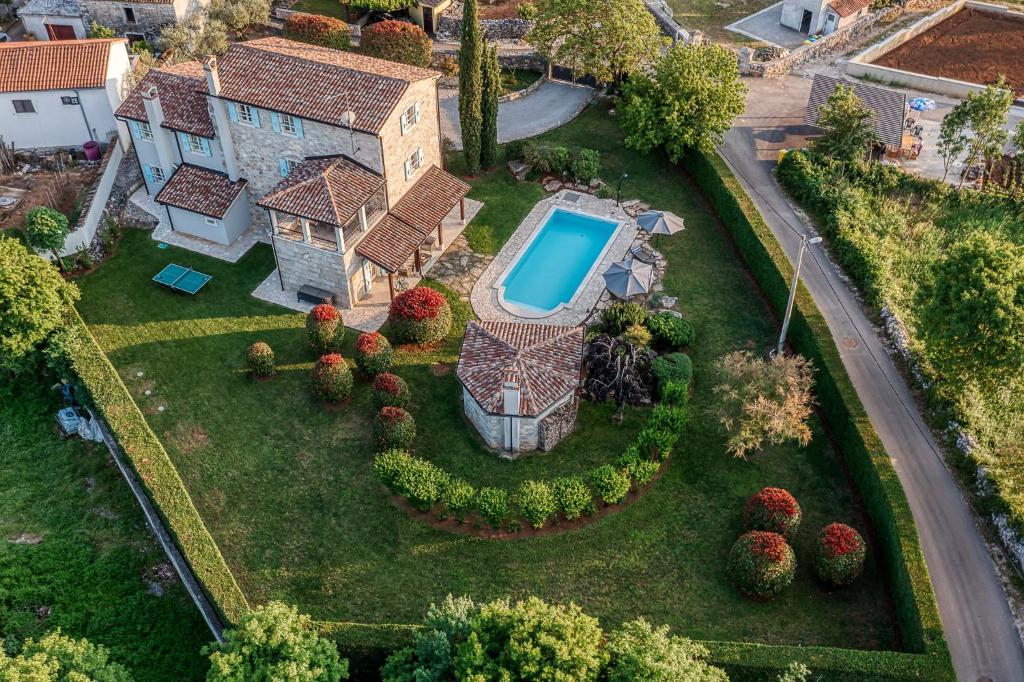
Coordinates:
[979,626]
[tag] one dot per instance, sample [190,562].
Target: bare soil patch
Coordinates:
[970,46]
[500,9]
[45,188]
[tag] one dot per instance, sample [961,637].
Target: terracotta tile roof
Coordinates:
[46,65]
[393,240]
[330,189]
[182,91]
[545,360]
[845,8]
[200,190]
[316,83]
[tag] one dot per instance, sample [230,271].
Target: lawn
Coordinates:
[288,491]
[712,16]
[330,8]
[89,558]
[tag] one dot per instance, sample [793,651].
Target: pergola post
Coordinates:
[462,210]
[391,286]
[440,237]
[416,260]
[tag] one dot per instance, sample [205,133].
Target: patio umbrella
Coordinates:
[659,222]
[922,104]
[628,278]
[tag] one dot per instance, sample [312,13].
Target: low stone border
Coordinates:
[529,90]
[484,296]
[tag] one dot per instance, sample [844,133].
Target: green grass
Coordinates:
[712,16]
[330,8]
[288,491]
[513,80]
[96,558]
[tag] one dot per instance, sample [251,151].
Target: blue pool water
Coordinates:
[554,265]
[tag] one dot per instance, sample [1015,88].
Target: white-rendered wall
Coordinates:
[54,124]
[35,24]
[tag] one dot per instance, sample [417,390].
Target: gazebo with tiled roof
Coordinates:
[520,381]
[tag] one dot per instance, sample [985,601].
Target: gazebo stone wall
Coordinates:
[535,433]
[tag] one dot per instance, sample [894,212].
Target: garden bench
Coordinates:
[311,294]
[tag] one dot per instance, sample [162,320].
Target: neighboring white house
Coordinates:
[136,20]
[61,94]
[821,17]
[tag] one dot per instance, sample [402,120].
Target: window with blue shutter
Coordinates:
[275,121]
[134,125]
[206,147]
[282,165]
[148,174]
[298,126]
[255,117]
[232,112]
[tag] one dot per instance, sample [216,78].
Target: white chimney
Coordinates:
[511,395]
[220,118]
[155,115]
[212,77]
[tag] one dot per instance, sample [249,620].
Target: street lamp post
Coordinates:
[618,189]
[804,243]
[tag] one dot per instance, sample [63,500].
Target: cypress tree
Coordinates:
[489,108]
[470,86]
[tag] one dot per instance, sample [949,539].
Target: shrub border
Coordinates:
[869,464]
[367,645]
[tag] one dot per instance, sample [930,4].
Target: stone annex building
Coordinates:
[336,155]
[136,19]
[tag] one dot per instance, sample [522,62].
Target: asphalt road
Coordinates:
[978,624]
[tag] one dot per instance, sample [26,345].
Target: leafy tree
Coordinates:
[530,640]
[986,113]
[687,102]
[953,138]
[471,86]
[33,302]
[1018,138]
[47,230]
[317,29]
[238,15]
[193,39]
[761,402]
[489,108]
[398,41]
[642,652]
[274,642]
[97,30]
[794,672]
[972,311]
[432,654]
[847,126]
[57,658]
[607,40]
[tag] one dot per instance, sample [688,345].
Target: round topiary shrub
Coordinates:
[761,564]
[393,428]
[537,502]
[839,554]
[670,331]
[324,328]
[317,29]
[397,41]
[374,354]
[260,358]
[421,316]
[332,379]
[774,510]
[390,390]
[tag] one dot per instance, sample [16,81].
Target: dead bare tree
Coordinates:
[619,371]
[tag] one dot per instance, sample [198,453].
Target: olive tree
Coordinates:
[46,230]
[640,651]
[847,126]
[58,658]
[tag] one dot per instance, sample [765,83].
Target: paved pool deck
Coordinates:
[484,297]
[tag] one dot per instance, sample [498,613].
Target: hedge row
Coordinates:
[866,458]
[157,474]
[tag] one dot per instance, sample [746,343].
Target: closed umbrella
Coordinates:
[659,222]
[628,278]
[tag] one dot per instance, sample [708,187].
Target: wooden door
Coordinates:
[60,32]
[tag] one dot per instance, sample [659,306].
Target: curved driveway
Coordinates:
[979,627]
[550,106]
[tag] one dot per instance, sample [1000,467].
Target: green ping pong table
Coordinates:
[179,278]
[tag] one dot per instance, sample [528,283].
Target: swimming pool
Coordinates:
[555,263]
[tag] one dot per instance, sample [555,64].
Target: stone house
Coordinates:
[134,19]
[821,17]
[427,13]
[61,94]
[519,383]
[337,156]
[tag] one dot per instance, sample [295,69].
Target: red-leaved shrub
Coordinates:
[773,509]
[260,358]
[324,328]
[332,379]
[390,389]
[374,354]
[839,554]
[317,29]
[421,315]
[761,564]
[397,41]
[393,428]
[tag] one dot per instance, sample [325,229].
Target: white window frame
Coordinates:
[414,163]
[158,173]
[31,106]
[288,126]
[194,144]
[212,222]
[69,100]
[410,117]
[290,162]
[246,115]
[146,131]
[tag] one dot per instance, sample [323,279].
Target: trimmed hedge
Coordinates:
[390,389]
[867,460]
[397,41]
[420,315]
[156,473]
[393,427]
[260,358]
[373,353]
[762,564]
[774,510]
[317,29]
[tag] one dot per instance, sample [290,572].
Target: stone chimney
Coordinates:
[220,118]
[161,136]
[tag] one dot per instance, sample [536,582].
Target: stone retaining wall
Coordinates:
[449,26]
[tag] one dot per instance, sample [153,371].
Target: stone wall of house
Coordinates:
[259,151]
[302,264]
[150,18]
[558,424]
[398,147]
[490,427]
